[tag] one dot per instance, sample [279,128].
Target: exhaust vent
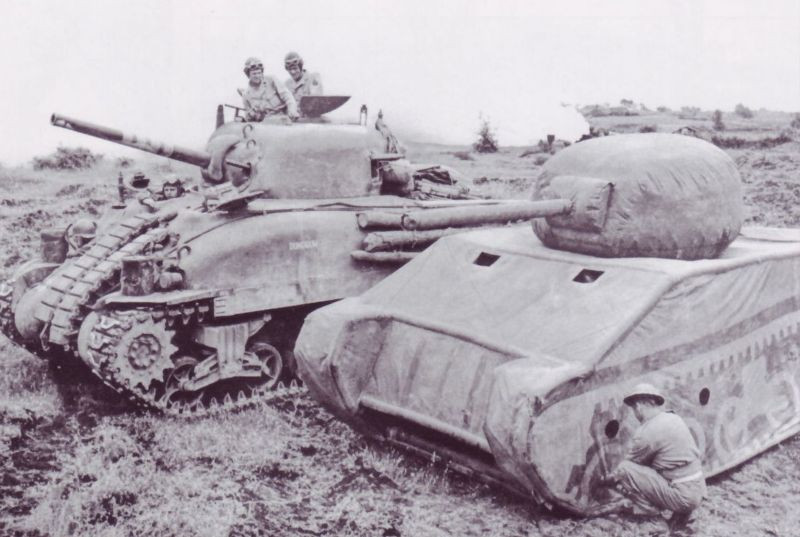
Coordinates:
[486,260]
[587,276]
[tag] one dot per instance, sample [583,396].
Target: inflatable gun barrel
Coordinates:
[174,152]
[470,216]
[420,227]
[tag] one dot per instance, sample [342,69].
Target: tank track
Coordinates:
[74,285]
[107,337]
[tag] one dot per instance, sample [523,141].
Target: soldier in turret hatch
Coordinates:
[301,83]
[265,96]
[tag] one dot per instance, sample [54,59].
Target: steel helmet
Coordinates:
[292,59]
[250,63]
[644,391]
[139,181]
[83,227]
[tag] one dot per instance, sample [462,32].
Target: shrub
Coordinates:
[648,128]
[743,111]
[717,119]
[735,142]
[486,142]
[67,158]
[690,111]
[795,124]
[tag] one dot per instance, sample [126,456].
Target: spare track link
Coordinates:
[107,335]
[73,284]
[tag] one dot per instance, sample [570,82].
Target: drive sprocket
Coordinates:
[134,347]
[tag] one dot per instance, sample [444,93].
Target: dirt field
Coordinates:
[76,460]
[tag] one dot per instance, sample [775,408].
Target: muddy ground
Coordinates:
[77,460]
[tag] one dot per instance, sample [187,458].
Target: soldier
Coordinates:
[79,234]
[662,469]
[301,82]
[172,188]
[265,96]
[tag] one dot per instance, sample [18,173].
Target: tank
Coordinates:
[506,352]
[191,304]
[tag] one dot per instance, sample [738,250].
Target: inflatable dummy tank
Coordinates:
[508,352]
[194,302]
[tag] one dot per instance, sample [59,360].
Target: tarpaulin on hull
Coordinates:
[524,352]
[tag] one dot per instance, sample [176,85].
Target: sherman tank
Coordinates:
[192,303]
[506,352]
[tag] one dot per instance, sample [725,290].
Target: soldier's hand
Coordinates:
[606,480]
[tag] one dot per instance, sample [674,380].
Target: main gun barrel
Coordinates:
[190,156]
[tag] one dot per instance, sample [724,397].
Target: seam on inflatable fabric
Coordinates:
[613,341]
[673,281]
[727,265]
[426,421]
[334,350]
[679,353]
[450,330]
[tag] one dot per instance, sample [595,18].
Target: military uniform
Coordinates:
[309,84]
[269,98]
[662,468]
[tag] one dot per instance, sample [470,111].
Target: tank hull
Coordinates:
[236,278]
[512,359]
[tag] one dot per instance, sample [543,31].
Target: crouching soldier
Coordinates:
[662,469]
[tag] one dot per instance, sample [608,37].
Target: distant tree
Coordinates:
[690,111]
[717,119]
[648,128]
[663,109]
[795,124]
[486,142]
[626,102]
[743,111]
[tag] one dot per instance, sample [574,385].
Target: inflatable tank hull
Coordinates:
[508,352]
[512,358]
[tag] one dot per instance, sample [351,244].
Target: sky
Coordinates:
[434,67]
